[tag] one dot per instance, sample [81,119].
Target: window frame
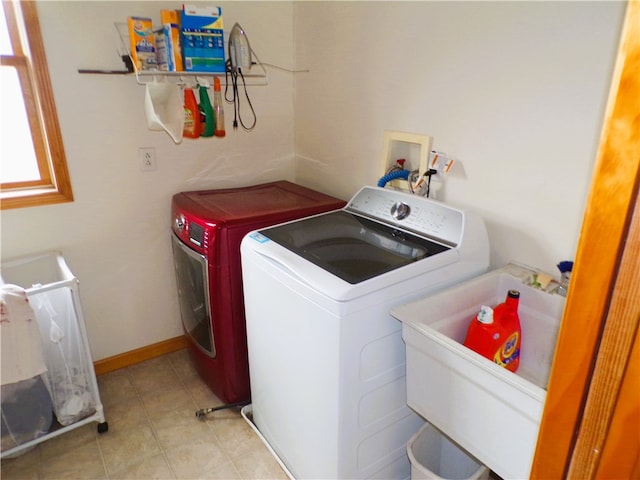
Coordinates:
[30,62]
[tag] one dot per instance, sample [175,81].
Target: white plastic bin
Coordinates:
[433,455]
[52,290]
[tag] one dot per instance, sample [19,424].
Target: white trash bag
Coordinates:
[68,376]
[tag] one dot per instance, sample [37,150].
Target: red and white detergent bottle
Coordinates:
[496,334]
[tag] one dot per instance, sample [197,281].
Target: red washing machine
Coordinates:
[208,226]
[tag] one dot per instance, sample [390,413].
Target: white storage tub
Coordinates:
[491,412]
[434,456]
[52,290]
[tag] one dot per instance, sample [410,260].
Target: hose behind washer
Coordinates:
[395,175]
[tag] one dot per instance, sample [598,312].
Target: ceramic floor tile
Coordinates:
[83,462]
[121,449]
[201,393]
[179,426]
[31,472]
[197,459]
[23,467]
[235,435]
[69,441]
[153,374]
[115,387]
[153,433]
[257,464]
[151,468]
[167,399]
[125,415]
[183,364]
[226,471]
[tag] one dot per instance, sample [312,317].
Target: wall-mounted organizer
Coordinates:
[171,61]
[71,387]
[251,78]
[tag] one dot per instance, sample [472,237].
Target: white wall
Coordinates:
[515,91]
[115,235]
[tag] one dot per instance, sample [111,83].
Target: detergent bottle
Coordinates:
[484,335]
[207,121]
[506,315]
[496,334]
[191,115]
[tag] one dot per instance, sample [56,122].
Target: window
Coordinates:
[33,168]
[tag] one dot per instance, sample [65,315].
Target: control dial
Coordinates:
[179,223]
[400,210]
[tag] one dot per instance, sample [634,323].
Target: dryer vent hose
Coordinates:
[395,175]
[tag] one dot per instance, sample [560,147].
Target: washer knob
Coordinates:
[179,223]
[400,210]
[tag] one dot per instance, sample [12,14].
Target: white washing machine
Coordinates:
[326,359]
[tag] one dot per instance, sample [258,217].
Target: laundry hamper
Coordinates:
[52,291]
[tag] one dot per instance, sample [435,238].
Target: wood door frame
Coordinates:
[600,321]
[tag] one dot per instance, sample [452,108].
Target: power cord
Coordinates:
[235,99]
[419,188]
[429,173]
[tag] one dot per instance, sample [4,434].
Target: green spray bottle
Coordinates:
[207,119]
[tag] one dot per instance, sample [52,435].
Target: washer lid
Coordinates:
[352,247]
[267,203]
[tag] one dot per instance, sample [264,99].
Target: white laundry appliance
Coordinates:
[326,358]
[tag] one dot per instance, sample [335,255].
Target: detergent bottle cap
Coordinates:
[485,315]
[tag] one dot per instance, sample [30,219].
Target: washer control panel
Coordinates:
[179,222]
[400,210]
[411,212]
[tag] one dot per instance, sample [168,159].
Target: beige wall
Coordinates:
[115,235]
[514,90]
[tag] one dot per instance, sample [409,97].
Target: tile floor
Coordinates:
[153,433]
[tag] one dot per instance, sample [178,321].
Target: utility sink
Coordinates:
[491,412]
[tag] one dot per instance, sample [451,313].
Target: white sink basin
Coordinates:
[491,412]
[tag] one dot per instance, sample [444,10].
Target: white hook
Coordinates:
[203,82]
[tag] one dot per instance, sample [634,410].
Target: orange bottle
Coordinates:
[218,110]
[483,335]
[506,314]
[192,126]
[496,334]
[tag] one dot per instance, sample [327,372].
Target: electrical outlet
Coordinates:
[147,158]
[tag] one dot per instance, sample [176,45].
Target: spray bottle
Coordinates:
[218,111]
[191,115]
[207,121]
